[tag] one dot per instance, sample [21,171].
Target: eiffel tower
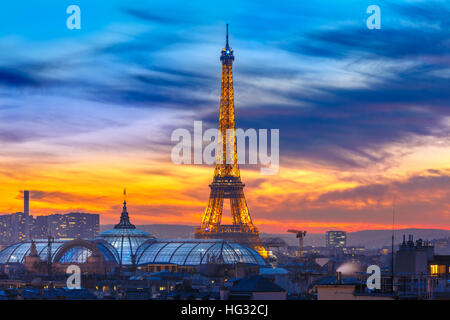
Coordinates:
[227,182]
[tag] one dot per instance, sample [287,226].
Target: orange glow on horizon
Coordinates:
[164,193]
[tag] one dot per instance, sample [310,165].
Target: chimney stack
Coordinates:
[26,212]
[26,202]
[339,277]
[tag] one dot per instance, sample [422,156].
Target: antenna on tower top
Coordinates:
[227,45]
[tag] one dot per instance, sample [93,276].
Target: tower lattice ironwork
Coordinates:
[227,182]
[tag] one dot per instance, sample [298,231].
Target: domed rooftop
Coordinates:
[126,245]
[192,252]
[16,253]
[63,251]
[125,238]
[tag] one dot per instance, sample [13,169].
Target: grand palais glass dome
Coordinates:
[194,252]
[125,238]
[17,252]
[126,245]
[62,251]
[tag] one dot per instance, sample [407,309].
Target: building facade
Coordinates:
[336,239]
[74,225]
[19,227]
[413,257]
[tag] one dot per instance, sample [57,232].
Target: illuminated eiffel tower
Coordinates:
[227,182]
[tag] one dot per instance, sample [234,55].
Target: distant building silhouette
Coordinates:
[413,257]
[18,227]
[21,226]
[75,225]
[26,212]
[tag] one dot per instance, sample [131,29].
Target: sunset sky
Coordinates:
[364,115]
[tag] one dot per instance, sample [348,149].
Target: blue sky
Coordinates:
[299,62]
[345,98]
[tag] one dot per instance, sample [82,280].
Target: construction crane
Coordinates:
[300,235]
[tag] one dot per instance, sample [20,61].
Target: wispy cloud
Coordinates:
[347,100]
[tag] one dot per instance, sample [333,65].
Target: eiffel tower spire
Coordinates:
[227,182]
[226,162]
[227,46]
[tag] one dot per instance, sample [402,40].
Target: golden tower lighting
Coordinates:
[227,182]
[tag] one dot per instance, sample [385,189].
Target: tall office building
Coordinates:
[26,202]
[5,229]
[39,227]
[74,225]
[19,227]
[336,239]
[14,227]
[26,212]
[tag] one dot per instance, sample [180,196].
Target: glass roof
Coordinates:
[124,238]
[126,233]
[189,252]
[16,253]
[147,250]
[125,242]
[126,245]
[76,255]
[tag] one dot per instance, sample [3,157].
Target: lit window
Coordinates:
[441,269]
[434,269]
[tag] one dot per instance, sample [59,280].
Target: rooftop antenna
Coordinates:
[49,253]
[392,248]
[50,240]
[227,46]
